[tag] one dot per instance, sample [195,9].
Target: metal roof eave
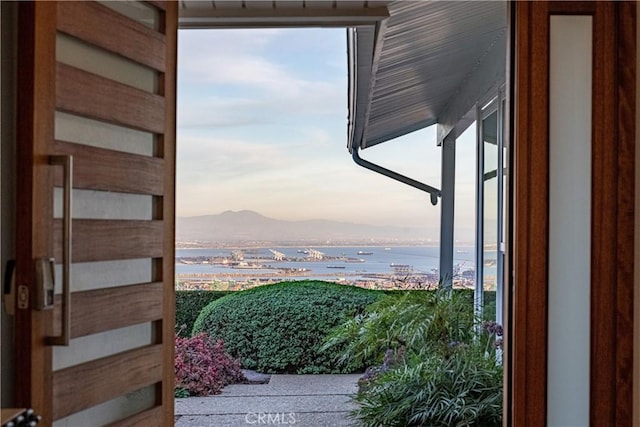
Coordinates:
[403,106]
[279,17]
[482,84]
[401,132]
[362,45]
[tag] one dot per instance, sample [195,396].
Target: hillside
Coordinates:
[248,226]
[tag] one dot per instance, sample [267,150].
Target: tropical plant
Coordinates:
[464,389]
[439,363]
[416,321]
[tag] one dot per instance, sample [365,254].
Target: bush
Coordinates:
[188,306]
[202,367]
[414,321]
[462,389]
[280,328]
[438,368]
[489,309]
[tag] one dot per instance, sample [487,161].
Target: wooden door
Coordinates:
[96,88]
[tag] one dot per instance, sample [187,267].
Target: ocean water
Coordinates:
[422,259]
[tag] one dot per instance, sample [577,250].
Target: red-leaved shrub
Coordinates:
[202,366]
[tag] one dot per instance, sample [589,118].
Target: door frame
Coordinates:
[528,359]
[612,254]
[36,97]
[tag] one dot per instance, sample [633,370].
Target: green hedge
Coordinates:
[281,327]
[188,306]
[190,303]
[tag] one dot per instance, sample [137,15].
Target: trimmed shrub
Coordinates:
[280,328]
[188,306]
[202,367]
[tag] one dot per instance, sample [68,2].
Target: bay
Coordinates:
[370,260]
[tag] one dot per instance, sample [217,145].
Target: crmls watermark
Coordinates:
[268,418]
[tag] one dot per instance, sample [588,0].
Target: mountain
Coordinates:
[248,226]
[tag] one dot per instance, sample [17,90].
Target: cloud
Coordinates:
[265,83]
[195,43]
[232,62]
[247,84]
[237,69]
[262,126]
[220,161]
[216,111]
[260,108]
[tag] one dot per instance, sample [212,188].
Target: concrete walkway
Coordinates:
[300,400]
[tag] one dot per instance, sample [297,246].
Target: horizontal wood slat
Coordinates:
[149,418]
[104,240]
[86,385]
[103,27]
[89,95]
[112,308]
[108,170]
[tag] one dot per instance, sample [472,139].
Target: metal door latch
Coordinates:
[45,285]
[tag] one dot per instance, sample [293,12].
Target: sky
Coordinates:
[262,125]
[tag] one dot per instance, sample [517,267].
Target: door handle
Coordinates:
[66,161]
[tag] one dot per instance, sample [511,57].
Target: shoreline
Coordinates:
[242,281]
[392,267]
[306,245]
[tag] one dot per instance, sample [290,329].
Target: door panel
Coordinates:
[611,188]
[98,84]
[105,135]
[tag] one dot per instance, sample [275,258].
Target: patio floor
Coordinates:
[300,400]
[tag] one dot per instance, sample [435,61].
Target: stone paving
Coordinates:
[299,400]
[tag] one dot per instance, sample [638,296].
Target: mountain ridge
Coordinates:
[249,226]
